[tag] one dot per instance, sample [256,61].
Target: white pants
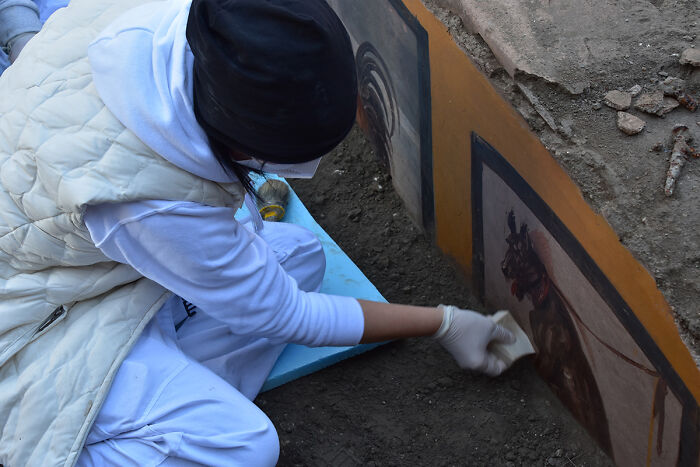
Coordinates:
[184,398]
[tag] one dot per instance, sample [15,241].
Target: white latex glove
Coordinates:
[466,336]
[17,43]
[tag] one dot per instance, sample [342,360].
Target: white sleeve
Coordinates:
[204,255]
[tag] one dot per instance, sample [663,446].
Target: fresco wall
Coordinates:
[471,172]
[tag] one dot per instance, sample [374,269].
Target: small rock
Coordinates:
[288,427]
[354,214]
[650,102]
[635,90]
[597,106]
[668,105]
[566,128]
[629,124]
[559,452]
[618,100]
[672,86]
[658,146]
[690,57]
[662,74]
[445,381]
[687,38]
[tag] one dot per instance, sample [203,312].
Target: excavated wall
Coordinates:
[498,127]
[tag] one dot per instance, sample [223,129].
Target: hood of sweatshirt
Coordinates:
[142,69]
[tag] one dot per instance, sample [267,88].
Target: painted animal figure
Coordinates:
[560,359]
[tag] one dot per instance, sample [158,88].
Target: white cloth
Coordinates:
[166,408]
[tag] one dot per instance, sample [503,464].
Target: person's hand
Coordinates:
[17,43]
[466,336]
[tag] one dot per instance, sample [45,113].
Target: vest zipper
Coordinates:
[57,313]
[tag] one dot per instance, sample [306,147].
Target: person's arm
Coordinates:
[205,256]
[19,22]
[386,321]
[202,254]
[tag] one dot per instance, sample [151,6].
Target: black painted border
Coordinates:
[425,130]
[484,154]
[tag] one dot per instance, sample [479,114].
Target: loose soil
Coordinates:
[407,402]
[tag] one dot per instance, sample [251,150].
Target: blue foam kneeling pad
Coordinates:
[342,277]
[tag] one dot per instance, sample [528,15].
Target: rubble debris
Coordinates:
[650,102]
[675,87]
[690,57]
[618,100]
[597,106]
[658,146]
[655,103]
[566,128]
[667,105]
[539,108]
[629,124]
[635,90]
[679,156]
[672,86]
[663,74]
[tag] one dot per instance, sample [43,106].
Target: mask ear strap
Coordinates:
[254,214]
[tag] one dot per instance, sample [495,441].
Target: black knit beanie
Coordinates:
[273,79]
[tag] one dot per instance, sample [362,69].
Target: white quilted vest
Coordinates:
[69,315]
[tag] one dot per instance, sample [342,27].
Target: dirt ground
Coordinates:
[407,403]
[577,52]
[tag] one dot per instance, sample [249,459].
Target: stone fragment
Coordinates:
[650,102]
[618,100]
[668,105]
[672,86]
[566,128]
[354,214]
[629,124]
[539,108]
[597,106]
[662,74]
[690,57]
[635,90]
[675,87]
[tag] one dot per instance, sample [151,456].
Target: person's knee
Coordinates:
[307,264]
[262,447]
[299,252]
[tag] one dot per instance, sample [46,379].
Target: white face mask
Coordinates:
[301,170]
